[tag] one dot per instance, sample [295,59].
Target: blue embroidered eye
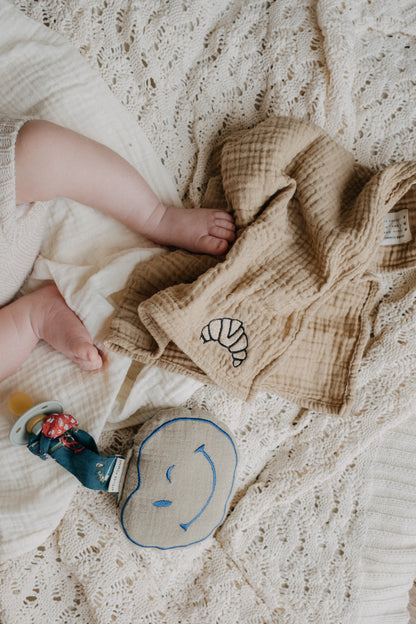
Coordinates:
[168,471]
[163,502]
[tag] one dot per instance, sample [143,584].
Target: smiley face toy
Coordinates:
[179,480]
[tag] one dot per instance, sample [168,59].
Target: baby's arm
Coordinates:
[52,161]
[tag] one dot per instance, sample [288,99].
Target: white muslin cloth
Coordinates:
[89,257]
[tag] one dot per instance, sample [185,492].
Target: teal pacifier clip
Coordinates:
[48,431]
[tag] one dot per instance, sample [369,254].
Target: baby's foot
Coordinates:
[201,230]
[53,321]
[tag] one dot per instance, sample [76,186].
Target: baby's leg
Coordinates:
[52,161]
[43,314]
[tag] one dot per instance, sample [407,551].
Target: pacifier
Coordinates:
[174,486]
[47,431]
[31,416]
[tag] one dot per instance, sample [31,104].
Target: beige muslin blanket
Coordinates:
[288,309]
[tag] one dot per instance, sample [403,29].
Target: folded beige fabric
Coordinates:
[288,309]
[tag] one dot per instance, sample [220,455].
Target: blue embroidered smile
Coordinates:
[167,503]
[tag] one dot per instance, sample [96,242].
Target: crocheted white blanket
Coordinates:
[323,522]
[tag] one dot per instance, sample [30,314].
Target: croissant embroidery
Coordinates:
[229,333]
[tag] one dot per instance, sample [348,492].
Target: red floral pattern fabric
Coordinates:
[56,424]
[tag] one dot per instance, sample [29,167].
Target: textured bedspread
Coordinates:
[322,526]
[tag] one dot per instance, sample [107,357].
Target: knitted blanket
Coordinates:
[322,525]
[288,309]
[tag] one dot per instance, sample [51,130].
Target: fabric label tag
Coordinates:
[396,228]
[113,486]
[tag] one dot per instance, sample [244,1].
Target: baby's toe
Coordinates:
[87,356]
[213,245]
[219,231]
[225,220]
